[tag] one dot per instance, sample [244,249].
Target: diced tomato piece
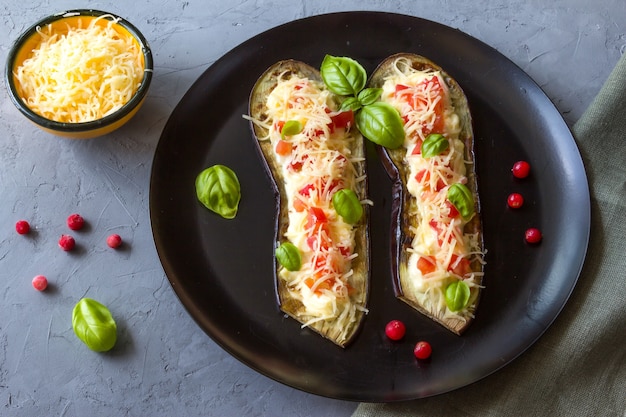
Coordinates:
[344,251]
[417,150]
[283,147]
[422,176]
[296,166]
[459,266]
[343,119]
[279,125]
[306,190]
[400,87]
[426,264]
[454,213]
[440,184]
[321,286]
[316,219]
[299,205]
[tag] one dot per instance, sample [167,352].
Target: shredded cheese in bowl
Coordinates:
[81,70]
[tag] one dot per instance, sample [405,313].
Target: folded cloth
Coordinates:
[578,367]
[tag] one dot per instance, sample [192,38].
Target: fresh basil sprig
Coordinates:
[434,144]
[94,325]
[288,255]
[347,205]
[343,76]
[369,96]
[381,123]
[461,197]
[457,295]
[218,189]
[378,122]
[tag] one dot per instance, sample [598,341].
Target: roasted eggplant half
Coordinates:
[315,158]
[437,246]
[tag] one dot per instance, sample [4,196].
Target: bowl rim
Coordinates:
[80,127]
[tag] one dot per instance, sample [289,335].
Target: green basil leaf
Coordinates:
[218,189]
[347,205]
[369,96]
[288,255]
[457,295]
[350,103]
[434,144]
[382,124]
[461,197]
[343,76]
[291,127]
[94,325]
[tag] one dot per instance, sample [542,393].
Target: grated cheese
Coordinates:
[417,94]
[83,75]
[319,164]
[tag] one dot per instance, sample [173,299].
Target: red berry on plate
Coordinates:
[22,227]
[67,242]
[40,283]
[521,169]
[395,330]
[114,241]
[533,235]
[515,200]
[75,221]
[422,350]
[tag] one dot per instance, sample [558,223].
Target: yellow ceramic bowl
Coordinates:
[59,23]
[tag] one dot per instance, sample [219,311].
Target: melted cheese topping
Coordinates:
[315,164]
[83,75]
[440,252]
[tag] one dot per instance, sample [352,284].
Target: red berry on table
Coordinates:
[40,283]
[521,169]
[422,350]
[515,200]
[67,242]
[533,235]
[22,227]
[114,241]
[75,221]
[395,330]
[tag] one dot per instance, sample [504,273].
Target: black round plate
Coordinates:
[222,269]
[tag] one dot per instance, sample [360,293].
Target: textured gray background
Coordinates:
[164,365]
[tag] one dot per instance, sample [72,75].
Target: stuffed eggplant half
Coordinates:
[437,239]
[316,159]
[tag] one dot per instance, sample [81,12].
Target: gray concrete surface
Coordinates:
[164,365]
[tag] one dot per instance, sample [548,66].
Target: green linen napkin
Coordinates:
[578,367]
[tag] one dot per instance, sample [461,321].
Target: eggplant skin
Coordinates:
[342,334]
[401,236]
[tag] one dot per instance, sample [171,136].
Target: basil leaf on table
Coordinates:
[381,123]
[343,76]
[94,325]
[461,197]
[347,205]
[218,189]
[288,255]
[457,295]
[434,144]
